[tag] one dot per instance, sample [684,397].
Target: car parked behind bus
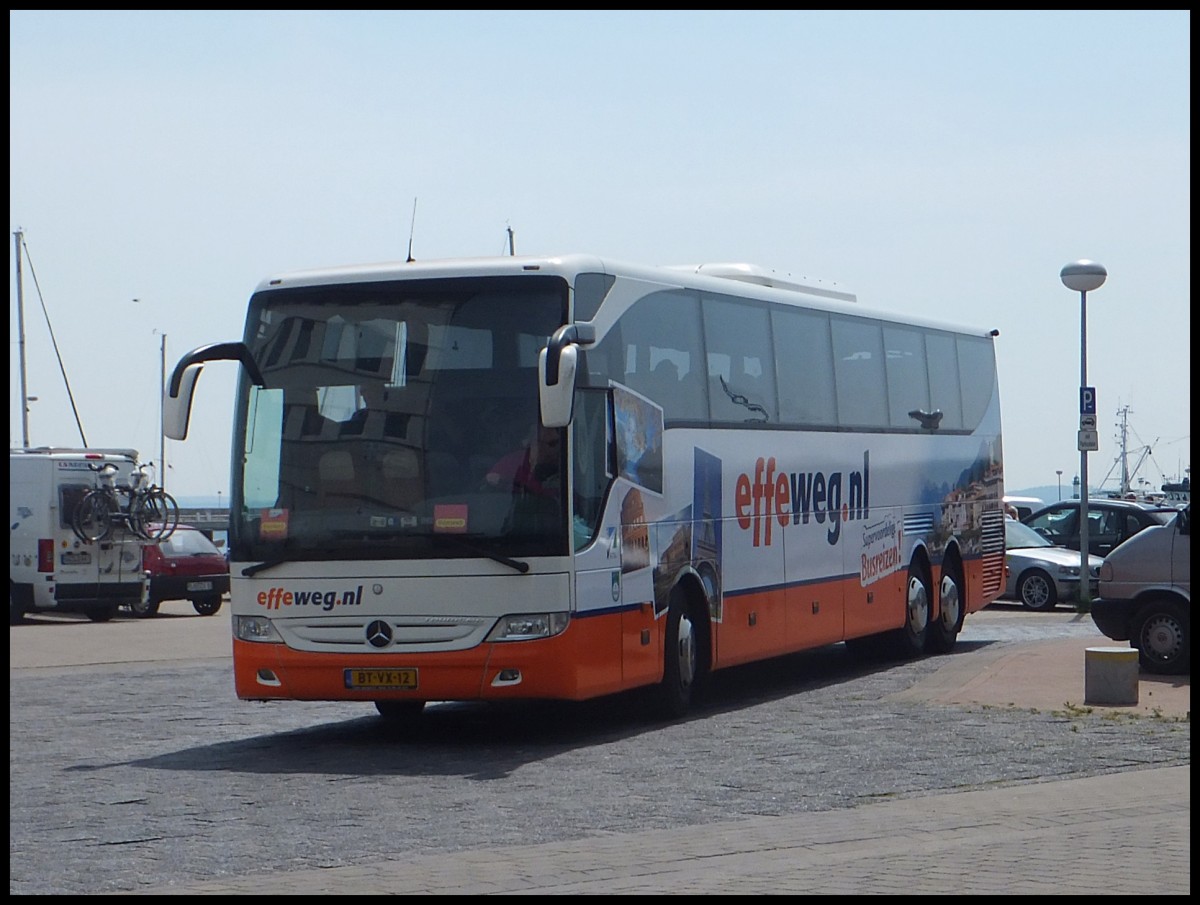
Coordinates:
[1040,574]
[1110,522]
[186,565]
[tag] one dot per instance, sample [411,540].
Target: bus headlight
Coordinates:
[527,626]
[255,628]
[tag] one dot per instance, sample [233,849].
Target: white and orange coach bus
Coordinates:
[706,466]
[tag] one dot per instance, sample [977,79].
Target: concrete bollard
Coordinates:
[1110,676]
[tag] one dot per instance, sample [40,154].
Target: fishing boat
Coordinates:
[1130,486]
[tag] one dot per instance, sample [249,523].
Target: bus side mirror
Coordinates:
[557,364]
[177,395]
[558,398]
[177,409]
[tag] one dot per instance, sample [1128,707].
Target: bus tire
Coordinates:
[943,633]
[910,641]
[399,710]
[681,659]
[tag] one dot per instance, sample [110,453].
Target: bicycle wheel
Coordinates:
[93,517]
[155,514]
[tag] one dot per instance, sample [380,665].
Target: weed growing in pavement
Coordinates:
[1081,710]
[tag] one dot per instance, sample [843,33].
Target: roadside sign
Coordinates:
[1087,422]
[1087,400]
[1089,440]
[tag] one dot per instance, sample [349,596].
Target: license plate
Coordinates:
[405,679]
[199,585]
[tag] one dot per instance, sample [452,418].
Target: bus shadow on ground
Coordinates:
[490,740]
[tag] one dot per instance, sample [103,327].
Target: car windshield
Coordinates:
[188,543]
[1017,536]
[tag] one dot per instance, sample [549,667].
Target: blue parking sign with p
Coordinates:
[1087,400]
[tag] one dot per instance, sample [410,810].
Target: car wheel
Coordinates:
[102,613]
[1162,633]
[207,606]
[1036,591]
[144,609]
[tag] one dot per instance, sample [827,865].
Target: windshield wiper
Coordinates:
[263,566]
[517,564]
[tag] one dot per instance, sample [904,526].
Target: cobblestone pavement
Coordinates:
[811,773]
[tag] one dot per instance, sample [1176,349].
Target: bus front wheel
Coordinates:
[399,710]
[681,658]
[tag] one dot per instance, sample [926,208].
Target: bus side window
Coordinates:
[859,372]
[804,359]
[737,335]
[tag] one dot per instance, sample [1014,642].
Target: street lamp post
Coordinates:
[1058,471]
[162,402]
[1084,276]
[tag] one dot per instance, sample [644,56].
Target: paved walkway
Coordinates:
[1121,833]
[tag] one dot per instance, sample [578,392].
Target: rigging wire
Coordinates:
[54,342]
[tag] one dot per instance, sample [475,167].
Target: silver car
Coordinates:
[1041,574]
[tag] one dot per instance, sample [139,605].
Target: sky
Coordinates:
[938,164]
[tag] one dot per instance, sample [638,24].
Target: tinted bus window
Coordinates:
[859,372]
[945,396]
[804,362]
[907,377]
[741,381]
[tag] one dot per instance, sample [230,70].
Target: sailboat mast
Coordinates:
[21,346]
[1124,413]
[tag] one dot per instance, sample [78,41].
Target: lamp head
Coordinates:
[1083,276]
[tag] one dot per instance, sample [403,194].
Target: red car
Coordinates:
[184,566]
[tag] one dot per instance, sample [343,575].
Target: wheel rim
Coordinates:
[1162,638]
[951,603]
[918,605]
[1035,592]
[686,651]
[94,520]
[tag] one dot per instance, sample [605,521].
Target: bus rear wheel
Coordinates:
[944,631]
[910,641]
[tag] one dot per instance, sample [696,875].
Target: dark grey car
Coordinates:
[1109,523]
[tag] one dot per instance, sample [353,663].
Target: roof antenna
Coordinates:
[412,229]
[511,248]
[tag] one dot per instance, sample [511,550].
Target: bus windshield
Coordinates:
[399,420]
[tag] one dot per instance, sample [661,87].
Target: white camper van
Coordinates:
[50,566]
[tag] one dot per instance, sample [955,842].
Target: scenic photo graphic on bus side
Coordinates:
[565,477]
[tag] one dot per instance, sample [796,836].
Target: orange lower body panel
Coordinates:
[583,662]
